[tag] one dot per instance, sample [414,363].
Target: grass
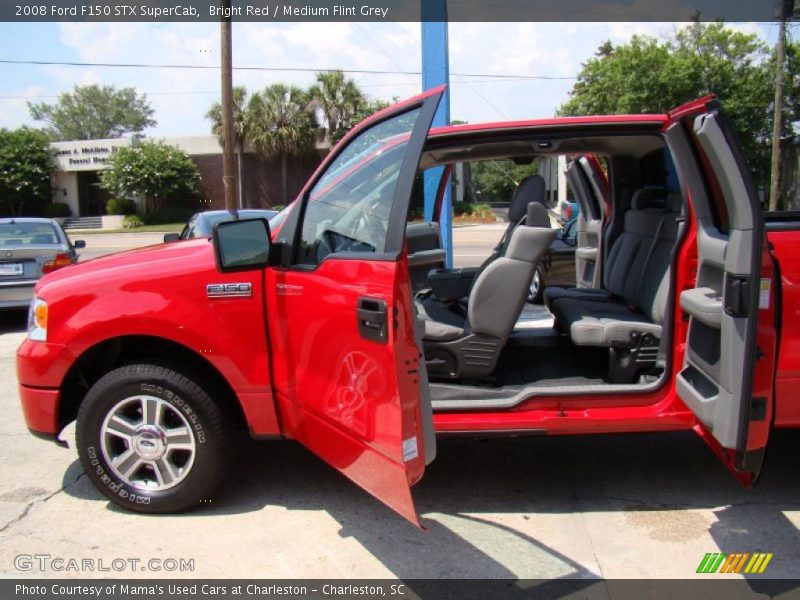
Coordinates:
[163,228]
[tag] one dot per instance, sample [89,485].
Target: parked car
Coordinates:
[558,265]
[202,224]
[311,332]
[29,248]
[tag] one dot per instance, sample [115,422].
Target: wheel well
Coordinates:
[116,352]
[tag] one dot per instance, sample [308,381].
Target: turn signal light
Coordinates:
[61,260]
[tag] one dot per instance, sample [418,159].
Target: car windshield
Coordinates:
[28,234]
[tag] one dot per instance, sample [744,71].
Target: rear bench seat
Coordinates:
[636,280]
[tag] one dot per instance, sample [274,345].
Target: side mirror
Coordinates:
[171,237]
[78,244]
[242,245]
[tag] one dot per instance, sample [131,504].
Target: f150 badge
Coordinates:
[229,290]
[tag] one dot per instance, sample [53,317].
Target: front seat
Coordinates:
[470,349]
[448,285]
[530,189]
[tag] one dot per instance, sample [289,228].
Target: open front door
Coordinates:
[346,366]
[727,375]
[586,187]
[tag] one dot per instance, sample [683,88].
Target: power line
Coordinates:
[40,96]
[278,69]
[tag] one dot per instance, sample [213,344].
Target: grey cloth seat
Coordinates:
[495,302]
[637,280]
[620,265]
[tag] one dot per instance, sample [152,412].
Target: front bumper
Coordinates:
[16,294]
[40,370]
[40,408]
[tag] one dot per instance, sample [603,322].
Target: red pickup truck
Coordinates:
[685,316]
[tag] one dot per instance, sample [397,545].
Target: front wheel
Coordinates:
[536,290]
[151,439]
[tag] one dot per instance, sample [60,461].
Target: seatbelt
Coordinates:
[650,251]
[500,247]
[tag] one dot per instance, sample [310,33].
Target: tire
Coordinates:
[536,293]
[152,440]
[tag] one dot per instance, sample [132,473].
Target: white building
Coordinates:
[75,181]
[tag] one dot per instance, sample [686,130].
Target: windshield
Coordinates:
[28,234]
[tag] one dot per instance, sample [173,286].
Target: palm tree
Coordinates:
[339,99]
[240,131]
[281,122]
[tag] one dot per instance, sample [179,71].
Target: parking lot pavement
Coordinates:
[647,505]
[99,244]
[472,243]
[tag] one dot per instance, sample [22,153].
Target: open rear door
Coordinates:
[586,188]
[346,365]
[727,375]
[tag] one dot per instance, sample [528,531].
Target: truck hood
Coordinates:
[114,270]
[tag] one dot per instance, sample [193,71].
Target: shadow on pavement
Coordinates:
[529,476]
[13,321]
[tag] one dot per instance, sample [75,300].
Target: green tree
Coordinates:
[155,170]
[646,75]
[339,99]
[26,164]
[240,128]
[91,112]
[282,123]
[496,180]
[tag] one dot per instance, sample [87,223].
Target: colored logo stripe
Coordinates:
[734,562]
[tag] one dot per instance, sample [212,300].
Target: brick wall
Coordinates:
[262,180]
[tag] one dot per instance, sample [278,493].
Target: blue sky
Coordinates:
[181,97]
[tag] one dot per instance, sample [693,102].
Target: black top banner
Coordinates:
[390,10]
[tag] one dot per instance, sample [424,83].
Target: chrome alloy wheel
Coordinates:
[536,283]
[148,443]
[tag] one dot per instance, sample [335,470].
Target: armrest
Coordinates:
[704,304]
[451,284]
[426,257]
[586,253]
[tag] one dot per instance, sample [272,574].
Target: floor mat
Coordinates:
[534,316]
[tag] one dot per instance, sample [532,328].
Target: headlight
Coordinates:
[37,320]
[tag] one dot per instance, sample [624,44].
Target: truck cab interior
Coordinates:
[484,345]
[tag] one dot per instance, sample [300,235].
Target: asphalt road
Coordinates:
[471,243]
[617,506]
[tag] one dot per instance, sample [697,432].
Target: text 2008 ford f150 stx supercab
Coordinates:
[325,329]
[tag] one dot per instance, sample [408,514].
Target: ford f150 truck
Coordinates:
[685,315]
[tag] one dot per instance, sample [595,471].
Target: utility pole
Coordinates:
[228,165]
[785,8]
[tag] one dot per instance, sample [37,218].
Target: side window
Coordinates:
[348,208]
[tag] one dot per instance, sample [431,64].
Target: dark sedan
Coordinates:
[202,224]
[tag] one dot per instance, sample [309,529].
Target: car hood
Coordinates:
[131,266]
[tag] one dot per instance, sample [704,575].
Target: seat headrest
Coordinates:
[648,198]
[537,215]
[530,189]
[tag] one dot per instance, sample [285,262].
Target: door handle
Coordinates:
[372,319]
